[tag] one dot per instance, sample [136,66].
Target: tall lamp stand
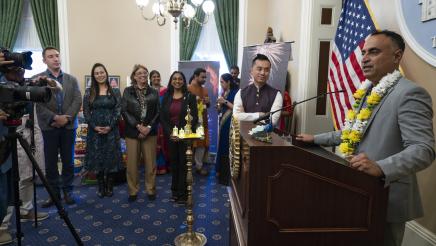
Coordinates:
[189,238]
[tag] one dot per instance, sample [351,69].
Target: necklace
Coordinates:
[356,120]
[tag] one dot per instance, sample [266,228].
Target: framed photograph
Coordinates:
[114,81]
[87,81]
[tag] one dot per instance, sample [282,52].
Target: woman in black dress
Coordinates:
[172,113]
[102,110]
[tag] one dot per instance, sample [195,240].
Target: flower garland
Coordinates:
[355,122]
[200,108]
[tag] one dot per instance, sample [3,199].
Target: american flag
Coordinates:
[345,72]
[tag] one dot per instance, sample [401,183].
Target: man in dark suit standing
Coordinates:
[57,120]
[395,140]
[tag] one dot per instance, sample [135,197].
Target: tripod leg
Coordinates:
[61,211]
[33,148]
[16,179]
[35,207]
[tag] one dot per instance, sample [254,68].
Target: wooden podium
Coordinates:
[303,196]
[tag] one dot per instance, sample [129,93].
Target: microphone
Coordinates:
[267,115]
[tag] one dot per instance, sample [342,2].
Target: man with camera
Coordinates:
[5,187]
[57,119]
[16,109]
[5,167]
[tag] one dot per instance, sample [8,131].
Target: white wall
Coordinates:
[113,32]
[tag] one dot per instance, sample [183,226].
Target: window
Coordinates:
[209,46]
[28,40]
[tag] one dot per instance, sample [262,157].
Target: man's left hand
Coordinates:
[362,163]
[61,120]
[3,60]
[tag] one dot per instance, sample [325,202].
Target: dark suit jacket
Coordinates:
[71,104]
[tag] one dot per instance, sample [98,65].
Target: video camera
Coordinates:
[23,60]
[16,91]
[28,90]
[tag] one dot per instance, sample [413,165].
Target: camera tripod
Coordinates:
[13,136]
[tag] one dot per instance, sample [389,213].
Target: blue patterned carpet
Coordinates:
[114,221]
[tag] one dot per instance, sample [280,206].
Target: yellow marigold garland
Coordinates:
[200,109]
[356,122]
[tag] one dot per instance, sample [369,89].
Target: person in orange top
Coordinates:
[196,87]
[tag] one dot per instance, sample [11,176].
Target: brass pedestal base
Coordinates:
[188,239]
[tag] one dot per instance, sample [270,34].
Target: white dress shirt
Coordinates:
[239,112]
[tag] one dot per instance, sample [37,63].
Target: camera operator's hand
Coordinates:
[51,83]
[3,115]
[3,61]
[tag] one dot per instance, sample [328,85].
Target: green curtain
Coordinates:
[45,14]
[188,38]
[10,16]
[226,18]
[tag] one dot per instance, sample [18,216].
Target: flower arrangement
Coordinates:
[356,121]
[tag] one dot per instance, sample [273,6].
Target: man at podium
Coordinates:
[389,134]
[258,98]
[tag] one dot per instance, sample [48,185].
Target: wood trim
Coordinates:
[237,224]
[420,232]
[323,67]
[280,175]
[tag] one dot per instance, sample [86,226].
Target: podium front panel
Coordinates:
[288,195]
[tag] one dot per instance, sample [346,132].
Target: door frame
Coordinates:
[304,65]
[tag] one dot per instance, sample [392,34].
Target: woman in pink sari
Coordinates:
[162,156]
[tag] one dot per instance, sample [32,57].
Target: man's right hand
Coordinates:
[307,138]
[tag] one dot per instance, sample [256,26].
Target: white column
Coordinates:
[63,35]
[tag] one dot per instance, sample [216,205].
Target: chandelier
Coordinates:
[161,9]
